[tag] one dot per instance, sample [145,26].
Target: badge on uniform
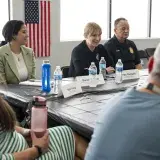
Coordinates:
[117,50]
[131,50]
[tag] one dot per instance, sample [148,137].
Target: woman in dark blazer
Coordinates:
[89,50]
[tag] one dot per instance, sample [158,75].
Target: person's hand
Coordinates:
[42,142]
[23,131]
[27,134]
[110,69]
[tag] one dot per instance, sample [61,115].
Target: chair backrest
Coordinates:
[142,54]
[144,58]
[65,70]
[150,51]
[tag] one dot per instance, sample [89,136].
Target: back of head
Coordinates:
[11,29]
[157,53]
[91,28]
[7,116]
[155,71]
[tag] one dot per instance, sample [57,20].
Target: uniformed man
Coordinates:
[119,47]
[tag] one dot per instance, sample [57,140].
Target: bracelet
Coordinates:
[39,150]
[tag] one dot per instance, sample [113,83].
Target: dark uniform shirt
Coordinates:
[82,57]
[126,51]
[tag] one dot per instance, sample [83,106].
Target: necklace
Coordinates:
[18,57]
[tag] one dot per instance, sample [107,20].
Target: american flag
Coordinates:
[37,20]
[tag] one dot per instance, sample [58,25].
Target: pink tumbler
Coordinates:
[39,116]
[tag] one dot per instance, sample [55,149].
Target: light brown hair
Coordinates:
[91,28]
[7,116]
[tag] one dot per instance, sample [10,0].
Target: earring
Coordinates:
[14,37]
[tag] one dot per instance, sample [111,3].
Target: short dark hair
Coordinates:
[11,29]
[7,116]
[118,20]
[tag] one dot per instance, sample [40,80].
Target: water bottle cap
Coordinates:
[119,60]
[39,101]
[58,67]
[45,61]
[92,63]
[102,57]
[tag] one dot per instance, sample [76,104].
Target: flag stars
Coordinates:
[31,11]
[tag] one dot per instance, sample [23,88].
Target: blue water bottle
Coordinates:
[46,75]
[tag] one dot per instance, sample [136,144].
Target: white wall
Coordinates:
[61,51]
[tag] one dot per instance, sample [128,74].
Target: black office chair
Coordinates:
[150,51]
[65,70]
[144,58]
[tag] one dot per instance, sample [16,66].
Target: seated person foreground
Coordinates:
[58,143]
[128,127]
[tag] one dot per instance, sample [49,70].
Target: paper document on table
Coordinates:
[130,74]
[143,81]
[71,89]
[32,83]
[143,72]
[88,80]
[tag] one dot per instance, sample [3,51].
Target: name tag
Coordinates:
[71,89]
[90,81]
[130,74]
[83,80]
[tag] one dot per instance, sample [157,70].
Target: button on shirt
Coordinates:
[126,51]
[82,57]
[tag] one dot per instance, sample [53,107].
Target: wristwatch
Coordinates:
[39,150]
[153,88]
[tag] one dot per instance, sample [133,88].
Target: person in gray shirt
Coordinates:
[129,126]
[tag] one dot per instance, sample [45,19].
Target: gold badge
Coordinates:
[131,50]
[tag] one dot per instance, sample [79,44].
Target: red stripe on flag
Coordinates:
[43,9]
[45,29]
[41,23]
[36,41]
[30,35]
[49,29]
[40,42]
[33,38]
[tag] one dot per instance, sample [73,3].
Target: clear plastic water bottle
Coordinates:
[102,67]
[93,74]
[46,75]
[39,116]
[57,77]
[119,70]
[92,69]
[142,63]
